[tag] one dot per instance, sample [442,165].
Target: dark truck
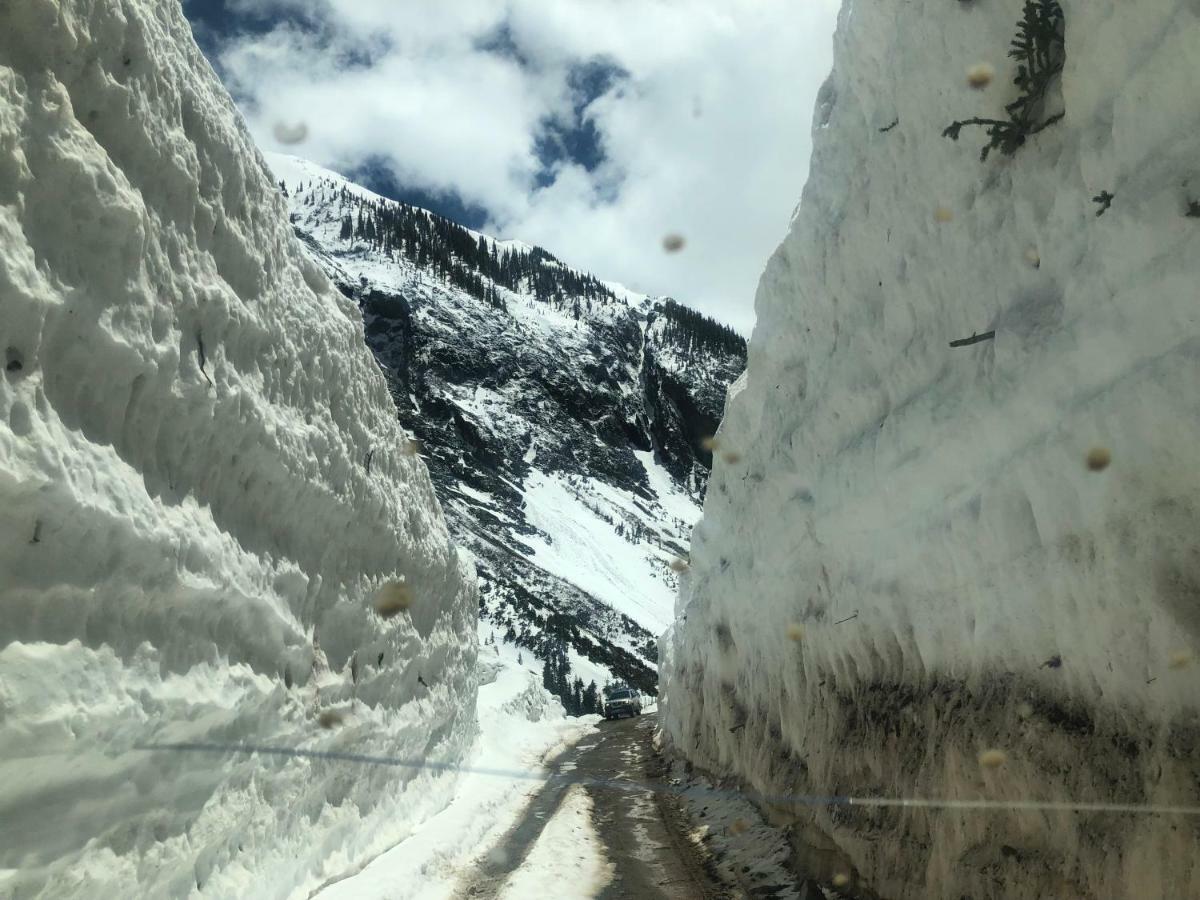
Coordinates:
[621,700]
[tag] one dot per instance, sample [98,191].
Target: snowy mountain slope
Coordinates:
[562,418]
[202,487]
[923,511]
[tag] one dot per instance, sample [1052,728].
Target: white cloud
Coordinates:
[707,137]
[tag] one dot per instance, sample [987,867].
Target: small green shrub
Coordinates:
[1040,48]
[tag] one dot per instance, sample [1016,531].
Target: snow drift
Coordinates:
[958,578]
[202,487]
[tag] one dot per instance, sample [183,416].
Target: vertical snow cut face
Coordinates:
[203,486]
[927,552]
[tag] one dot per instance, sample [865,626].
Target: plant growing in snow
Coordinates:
[1040,49]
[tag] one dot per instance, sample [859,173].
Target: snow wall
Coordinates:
[202,487]
[998,593]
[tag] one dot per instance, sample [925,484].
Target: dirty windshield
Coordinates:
[600,448]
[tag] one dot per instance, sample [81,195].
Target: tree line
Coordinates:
[556,678]
[471,262]
[696,331]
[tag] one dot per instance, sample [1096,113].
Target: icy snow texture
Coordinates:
[190,532]
[941,494]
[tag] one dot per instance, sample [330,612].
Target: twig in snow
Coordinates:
[973,339]
[886,128]
[847,619]
[203,358]
[737,727]
[370,456]
[37,532]
[1054,662]
[421,681]
[1104,199]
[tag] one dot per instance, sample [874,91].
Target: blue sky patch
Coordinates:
[562,140]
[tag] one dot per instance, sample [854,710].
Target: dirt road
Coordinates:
[643,831]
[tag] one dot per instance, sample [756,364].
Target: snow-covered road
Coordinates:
[520,727]
[600,827]
[568,853]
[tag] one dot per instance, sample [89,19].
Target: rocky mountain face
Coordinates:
[563,419]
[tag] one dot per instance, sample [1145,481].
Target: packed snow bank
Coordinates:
[521,727]
[964,581]
[202,485]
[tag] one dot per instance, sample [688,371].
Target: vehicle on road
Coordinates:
[620,700]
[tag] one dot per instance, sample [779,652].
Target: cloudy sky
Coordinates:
[591,127]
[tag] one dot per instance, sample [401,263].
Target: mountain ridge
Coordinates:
[563,418]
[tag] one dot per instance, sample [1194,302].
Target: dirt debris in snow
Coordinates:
[1179,659]
[393,598]
[993,758]
[980,75]
[673,243]
[1098,459]
[330,718]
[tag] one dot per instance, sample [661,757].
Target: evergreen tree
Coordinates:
[563,673]
[1040,50]
[696,331]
